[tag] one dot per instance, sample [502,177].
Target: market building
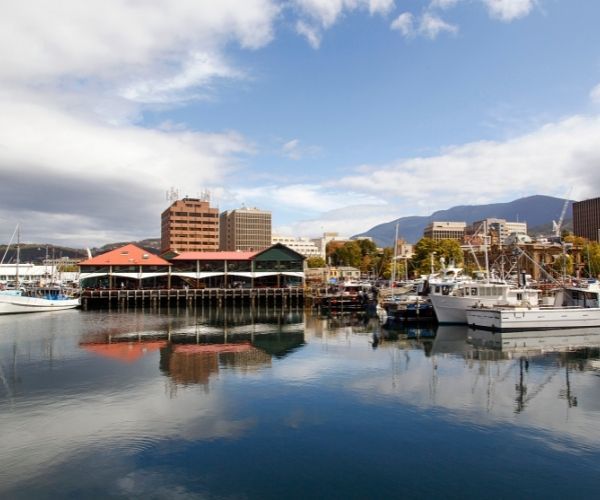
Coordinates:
[132,267]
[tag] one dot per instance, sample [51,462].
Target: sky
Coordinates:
[336,115]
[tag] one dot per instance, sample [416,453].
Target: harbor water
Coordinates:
[271,403]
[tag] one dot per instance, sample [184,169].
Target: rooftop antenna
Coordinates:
[172,194]
[205,195]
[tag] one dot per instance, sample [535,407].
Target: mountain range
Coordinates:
[538,211]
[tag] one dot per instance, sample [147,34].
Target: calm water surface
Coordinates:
[280,404]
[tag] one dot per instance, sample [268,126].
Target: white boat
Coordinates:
[574,307]
[451,300]
[41,300]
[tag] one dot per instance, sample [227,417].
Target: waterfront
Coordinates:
[271,403]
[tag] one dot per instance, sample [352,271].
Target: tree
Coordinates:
[349,254]
[563,264]
[313,262]
[426,248]
[575,240]
[591,258]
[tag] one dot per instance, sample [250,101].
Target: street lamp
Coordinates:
[432,254]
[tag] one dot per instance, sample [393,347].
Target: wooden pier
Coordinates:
[215,296]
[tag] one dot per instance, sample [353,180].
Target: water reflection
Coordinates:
[169,393]
[205,340]
[562,352]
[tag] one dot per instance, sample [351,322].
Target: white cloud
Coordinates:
[129,43]
[595,94]
[197,71]
[60,168]
[348,219]
[443,4]
[509,10]
[542,161]
[381,6]
[295,150]
[310,32]
[431,26]
[404,24]
[319,15]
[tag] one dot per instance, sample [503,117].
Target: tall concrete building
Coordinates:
[586,219]
[442,230]
[245,229]
[190,225]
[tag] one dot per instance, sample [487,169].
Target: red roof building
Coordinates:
[129,255]
[133,267]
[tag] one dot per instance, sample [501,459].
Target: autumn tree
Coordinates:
[591,258]
[426,248]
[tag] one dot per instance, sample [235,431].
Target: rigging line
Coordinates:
[9,243]
[548,275]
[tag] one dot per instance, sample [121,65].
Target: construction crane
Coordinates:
[557,226]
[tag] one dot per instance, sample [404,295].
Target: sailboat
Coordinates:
[34,300]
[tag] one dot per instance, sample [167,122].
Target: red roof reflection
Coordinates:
[127,352]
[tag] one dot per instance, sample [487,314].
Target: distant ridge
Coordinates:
[36,252]
[537,211]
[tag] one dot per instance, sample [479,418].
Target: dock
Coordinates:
[93,298]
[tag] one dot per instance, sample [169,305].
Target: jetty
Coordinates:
[97,298]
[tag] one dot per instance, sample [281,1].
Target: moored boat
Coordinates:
[38,300]
[451,301]
[574,307]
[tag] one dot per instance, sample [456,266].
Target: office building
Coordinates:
[245,229]
[440,230]
[190,225]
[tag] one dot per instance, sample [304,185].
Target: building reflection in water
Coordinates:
[195,345]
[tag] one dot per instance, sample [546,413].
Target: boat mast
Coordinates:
[18,257]
[395,256]
[486,239]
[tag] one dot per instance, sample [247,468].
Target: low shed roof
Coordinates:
[128,255]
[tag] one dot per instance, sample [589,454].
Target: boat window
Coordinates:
[473,291]
[445,290]
[519,296]
[466,291]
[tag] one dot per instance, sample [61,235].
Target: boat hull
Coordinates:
[20,304]
[450,309]
[522,319]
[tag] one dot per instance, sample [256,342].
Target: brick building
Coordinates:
[190,225]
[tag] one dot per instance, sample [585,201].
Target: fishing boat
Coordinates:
[35,300]
[574,307]
[40,299]
[451,302]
